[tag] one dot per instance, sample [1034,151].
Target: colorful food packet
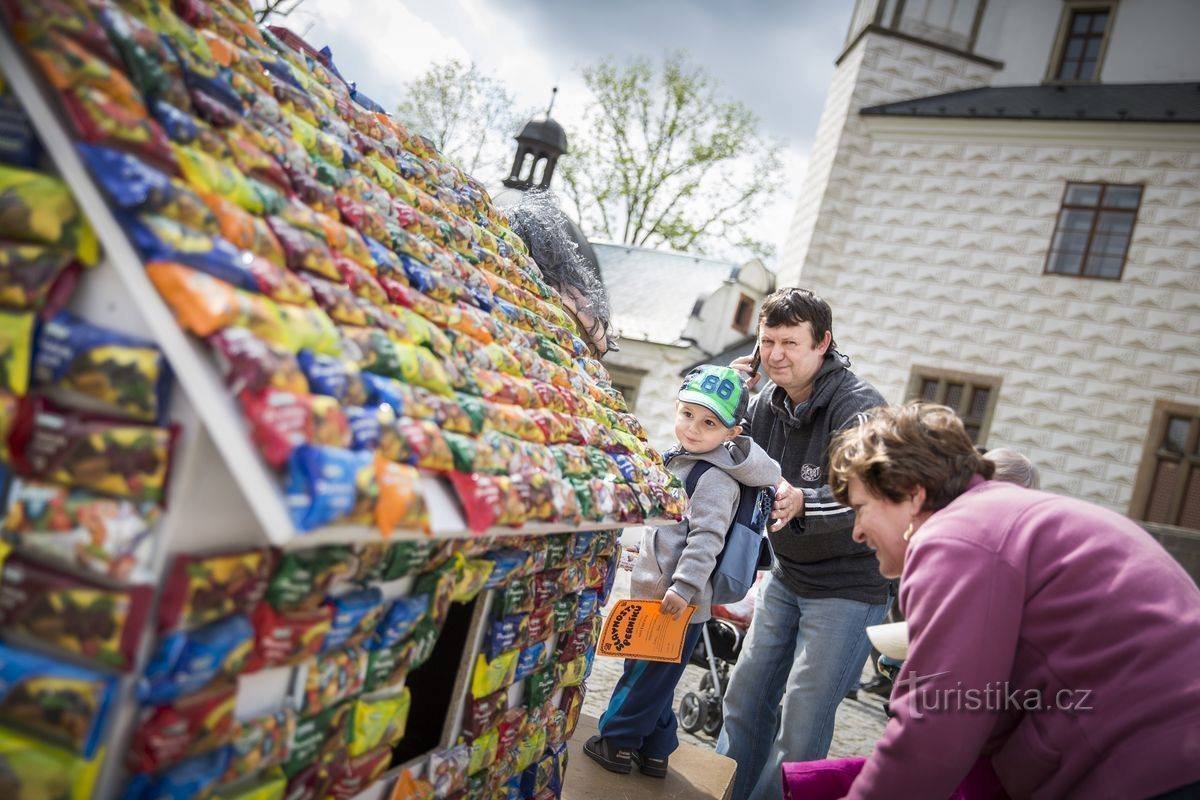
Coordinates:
[36,277]
[471,578]
[409,787]
[483,751]
[333,376]
[482,713]
[250,363]
[202,588]
[122,372]
[539,687]
[189,726]
[492,675]
[317,736]
[303,250]
[207,174]
[281,421]
[131,184]
[39,208]
[400,620]
[334,677]
[270,785]
[16,350]
[282,638]
[533,657]
[104,535]
[159,238]
[354,617]
[516,597]
[350,777]
[34,770]
[188,779]
[92,620]
[448,770]
[401,502]
[540,624]
[98,119]
[418,442]
[244,230]
[204,305]
[259,744]
[409,363]
[59,702]
[505,634]
[302,577]
[186,661]
[573,672]
[323,483]
[121,459]
[379,719]
[388,667]
[565,612]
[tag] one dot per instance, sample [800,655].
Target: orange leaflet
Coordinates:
[638,629]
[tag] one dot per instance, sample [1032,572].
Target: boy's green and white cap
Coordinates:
[720,390]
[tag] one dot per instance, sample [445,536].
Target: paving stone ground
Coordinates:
[859,722]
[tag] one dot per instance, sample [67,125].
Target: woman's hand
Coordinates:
[742,366]
[672,604]
[789,504]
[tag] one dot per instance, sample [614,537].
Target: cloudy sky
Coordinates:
[776,56]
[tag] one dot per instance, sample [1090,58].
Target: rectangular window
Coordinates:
[1095,224]
[973,397]
[744,314]
[1082,44]
[1168,485]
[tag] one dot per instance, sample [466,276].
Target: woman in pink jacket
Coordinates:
[1053,638]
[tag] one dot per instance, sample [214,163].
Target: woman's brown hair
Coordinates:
[895,449]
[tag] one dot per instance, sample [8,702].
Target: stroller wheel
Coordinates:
[691,712]
[713,719]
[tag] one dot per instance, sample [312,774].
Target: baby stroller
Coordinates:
[716,653]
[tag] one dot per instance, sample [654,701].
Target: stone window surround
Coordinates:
[1092,230]
[969,380]
[743,315]
[1060,40]
[1164,411]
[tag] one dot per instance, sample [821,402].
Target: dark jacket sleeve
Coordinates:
[822,513]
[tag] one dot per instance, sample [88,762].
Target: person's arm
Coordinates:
[710,513]
[964,610]
[820,512]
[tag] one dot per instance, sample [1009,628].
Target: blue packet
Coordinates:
[581,544]
[184,781]
[186,661]
[127,374]
[178,124]
[323,483]
[160,238]
[401,618]
[366,102]
[504,634]
[331,376]
[19,144]
[354,614]
[364,426]
[387,263]
[587,606]
[384,391]
[58,702]
[531,660]
[131,185]
[505,564]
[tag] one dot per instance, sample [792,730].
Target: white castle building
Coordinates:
[1003,207]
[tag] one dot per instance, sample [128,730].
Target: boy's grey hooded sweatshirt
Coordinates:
[682,557]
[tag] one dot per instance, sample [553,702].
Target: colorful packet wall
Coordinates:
[375,320]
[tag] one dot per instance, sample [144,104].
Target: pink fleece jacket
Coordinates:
[1020,595]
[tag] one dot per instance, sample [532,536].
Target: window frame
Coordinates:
[1096,209]
[1069,10]
[623,378]
[1164,411]
[971,381]
[744,301]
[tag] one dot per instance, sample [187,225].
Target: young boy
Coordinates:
[676,562]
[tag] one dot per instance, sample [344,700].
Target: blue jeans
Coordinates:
[800,659]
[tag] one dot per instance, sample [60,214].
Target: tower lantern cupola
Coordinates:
[539,144]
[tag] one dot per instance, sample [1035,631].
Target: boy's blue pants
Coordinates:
[641,713]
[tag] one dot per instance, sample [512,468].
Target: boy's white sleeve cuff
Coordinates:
[685,592]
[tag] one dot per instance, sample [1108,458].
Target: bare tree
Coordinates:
[664,159]
[265,10]
[468,114]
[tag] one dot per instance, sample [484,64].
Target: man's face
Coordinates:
[790,356]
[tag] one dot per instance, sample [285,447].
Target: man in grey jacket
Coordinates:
[807,643]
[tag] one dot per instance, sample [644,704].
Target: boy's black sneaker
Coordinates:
[650,765]
[605,754]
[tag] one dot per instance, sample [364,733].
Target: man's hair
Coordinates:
[895,449]
[795,306]
[1014,467]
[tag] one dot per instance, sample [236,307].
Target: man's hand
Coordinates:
[742,366]
[672,604]
[789,504]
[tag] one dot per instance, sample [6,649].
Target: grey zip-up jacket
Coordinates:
[682,556]
[815,555]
